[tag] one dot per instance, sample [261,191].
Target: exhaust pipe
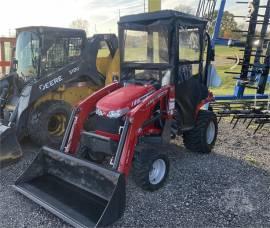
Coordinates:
[80,192]
[10,149]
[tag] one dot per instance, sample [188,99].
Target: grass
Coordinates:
[223,64]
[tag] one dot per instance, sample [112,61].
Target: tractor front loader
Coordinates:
[162,93]
[53,69]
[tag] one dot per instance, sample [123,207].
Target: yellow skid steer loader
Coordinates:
[52,70]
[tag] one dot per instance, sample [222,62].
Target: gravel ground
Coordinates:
[229,187]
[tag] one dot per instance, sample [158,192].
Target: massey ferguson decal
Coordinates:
[140,99]
[156,98]
[171,105]
[51,83]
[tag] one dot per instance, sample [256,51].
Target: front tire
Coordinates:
[150,169]
[203,136]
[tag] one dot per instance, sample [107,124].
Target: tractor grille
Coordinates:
[110,125]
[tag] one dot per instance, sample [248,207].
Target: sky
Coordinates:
[101,14]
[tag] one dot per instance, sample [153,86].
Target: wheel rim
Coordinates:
[56,124]
[157,171]
[210,132]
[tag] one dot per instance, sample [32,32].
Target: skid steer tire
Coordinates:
[150,169]
[203,136]
[47,123]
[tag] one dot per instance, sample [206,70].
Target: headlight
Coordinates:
[117,113]
[99,112]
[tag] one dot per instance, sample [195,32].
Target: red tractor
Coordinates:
[162,93]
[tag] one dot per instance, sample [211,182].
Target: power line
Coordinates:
[134,8]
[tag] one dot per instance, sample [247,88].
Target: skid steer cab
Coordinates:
[161,94]
[53,69]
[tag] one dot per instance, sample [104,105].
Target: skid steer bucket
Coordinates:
[81,193]
[10,149]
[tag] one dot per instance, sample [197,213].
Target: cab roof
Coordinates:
[46,29]
[145,18]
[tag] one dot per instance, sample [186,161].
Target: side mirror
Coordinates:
[214,79]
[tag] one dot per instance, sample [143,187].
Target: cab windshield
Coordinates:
[146,46]
[27,54]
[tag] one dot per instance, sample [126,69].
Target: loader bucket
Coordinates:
[81,193]
[10,149]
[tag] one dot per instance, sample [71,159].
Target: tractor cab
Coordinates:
[166,48]
[43,50]
[162,43]
[145,52]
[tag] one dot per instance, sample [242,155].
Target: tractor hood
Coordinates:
[122,100]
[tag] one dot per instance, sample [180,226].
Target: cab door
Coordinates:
[190,90]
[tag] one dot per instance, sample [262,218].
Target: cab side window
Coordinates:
[74,47]
[189,52]
[62,51]
[189,45]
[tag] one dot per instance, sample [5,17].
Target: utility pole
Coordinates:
[144,6]
[154,5]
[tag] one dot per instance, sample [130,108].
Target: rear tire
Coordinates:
[203,136]
[47,123]
[150,169]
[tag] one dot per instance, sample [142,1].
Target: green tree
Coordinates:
[228,26]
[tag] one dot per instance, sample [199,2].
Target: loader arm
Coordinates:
[83,109]
[137,117]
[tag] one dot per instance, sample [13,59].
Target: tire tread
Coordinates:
[194,139]
[36,122]
[141,165]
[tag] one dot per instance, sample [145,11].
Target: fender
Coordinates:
[137,117]
[206,101]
